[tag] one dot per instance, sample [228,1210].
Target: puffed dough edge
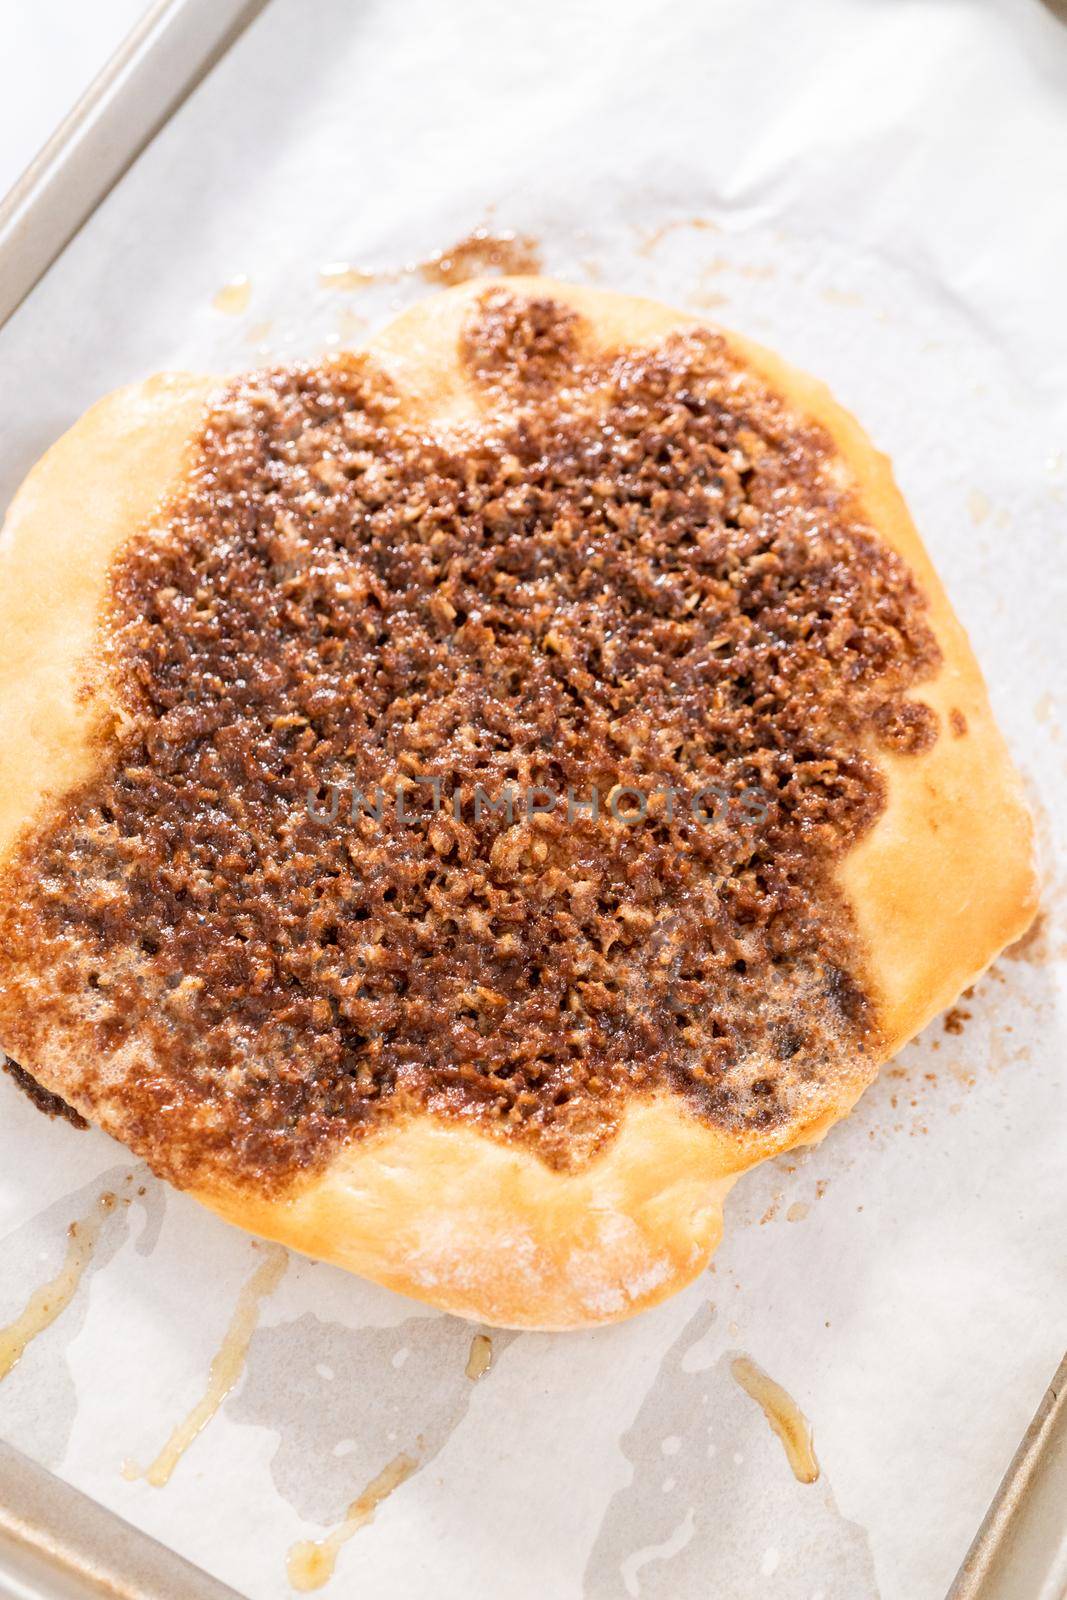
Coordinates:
[435,1208]
[445,1214]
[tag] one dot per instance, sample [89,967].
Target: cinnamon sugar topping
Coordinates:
[642,575]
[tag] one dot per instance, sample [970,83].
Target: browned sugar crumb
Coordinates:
[522,348]
[480,253]
[1033,946]
[647,578]
[52,1105]
[906,727]
[955,1019]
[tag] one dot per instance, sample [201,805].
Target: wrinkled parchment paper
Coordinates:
[878,188]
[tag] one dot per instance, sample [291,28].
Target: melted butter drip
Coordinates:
[52,1299]
[311,1562]
[234,296]
[784,1416]
[480,1358]
[225,1370]
[340,275]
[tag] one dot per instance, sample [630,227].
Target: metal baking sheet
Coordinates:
[57,1544]
[904,1282]
[165,56]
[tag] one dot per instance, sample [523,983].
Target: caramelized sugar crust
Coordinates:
[642,579]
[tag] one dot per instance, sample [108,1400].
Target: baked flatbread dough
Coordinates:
[432,1205]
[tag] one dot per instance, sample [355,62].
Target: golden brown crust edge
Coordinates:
[100,483]
[435,1208]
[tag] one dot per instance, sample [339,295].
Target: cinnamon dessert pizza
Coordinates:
[465,801]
